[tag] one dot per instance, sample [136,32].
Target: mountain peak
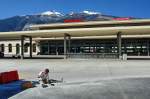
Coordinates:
[49,13]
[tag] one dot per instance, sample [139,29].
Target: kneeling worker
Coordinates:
[44,76]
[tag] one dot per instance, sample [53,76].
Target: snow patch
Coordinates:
[91,12]
[71,13]
[49,13]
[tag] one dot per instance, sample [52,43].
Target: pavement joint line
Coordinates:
[122,90]
[117,83]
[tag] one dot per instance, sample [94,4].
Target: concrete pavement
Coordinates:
[86,78]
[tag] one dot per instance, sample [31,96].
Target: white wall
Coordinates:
[14,42]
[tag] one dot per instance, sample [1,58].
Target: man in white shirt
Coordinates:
[44,76]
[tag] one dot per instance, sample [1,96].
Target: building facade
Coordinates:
[103,39]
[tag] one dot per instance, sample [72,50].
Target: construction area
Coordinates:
[84,78]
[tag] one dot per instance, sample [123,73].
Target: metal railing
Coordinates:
[93,55]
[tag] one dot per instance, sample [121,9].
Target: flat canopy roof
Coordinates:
[80,32]
[114,22]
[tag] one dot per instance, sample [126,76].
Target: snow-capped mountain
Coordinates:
[18,23]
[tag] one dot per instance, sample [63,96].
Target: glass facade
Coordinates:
[132,47]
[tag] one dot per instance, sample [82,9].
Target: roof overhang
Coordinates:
[80,32]
[93,37]
[143,29]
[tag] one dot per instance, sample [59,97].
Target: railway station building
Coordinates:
[93,39]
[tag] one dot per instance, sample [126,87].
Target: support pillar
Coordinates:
[119,41]
[30,39]
[22,47]
[67,39]
[65,46]
[69,42]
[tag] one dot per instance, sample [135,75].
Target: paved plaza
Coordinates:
[85,78]
[77,69]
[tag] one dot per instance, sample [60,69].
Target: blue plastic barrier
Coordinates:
[10,89]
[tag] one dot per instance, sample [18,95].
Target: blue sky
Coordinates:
[135,8]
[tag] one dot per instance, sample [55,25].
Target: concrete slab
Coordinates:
[93,78]
[133,88]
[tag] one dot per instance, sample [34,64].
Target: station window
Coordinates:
[17,48]
[25,48]
[34,47]
[2,47]
[9,47]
